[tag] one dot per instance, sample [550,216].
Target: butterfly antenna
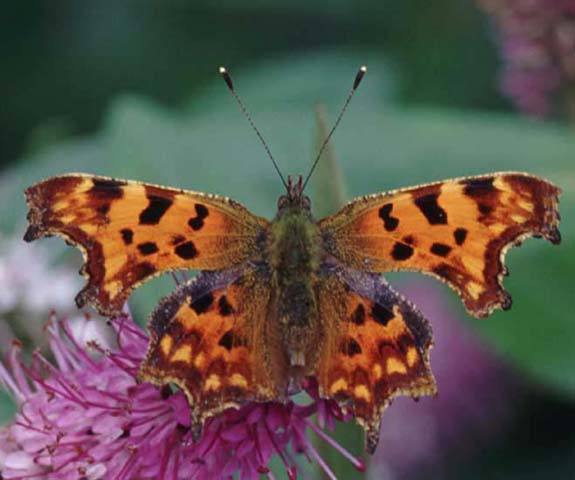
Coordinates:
[356,82]
[228,79]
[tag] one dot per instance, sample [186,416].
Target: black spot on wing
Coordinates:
[201,210]
[224,306]
[389,223]
[475,187]
[107,188]
[202,304]
[104,209]
[153,213]
[147,248]
[401,251]
[381,314]
[440,249]
[187,250]
[227,340]
[460,235]
[127,236]
[484,208]
[428,205]
[197,222]
[358,316]
[350,347]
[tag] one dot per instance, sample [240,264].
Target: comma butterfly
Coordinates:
[281,300]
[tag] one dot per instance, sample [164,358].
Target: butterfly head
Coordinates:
[294,196]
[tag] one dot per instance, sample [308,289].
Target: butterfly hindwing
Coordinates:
[208,337]
[377,346]
[130,232]
[457,230]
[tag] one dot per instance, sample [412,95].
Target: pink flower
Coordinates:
[85,415]
[538,47]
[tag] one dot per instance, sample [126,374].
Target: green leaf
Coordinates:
[329,193]
[538,333]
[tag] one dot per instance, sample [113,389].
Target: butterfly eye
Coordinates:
[306,203]
[283,201]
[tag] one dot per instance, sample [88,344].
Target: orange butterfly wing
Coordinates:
[208,337]
[457,230]
[376,348]
[130,232]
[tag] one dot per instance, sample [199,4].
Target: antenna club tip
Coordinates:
[226,76]
[359,76]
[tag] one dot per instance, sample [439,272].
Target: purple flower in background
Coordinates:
[85,415]
[475,400]
[538,48]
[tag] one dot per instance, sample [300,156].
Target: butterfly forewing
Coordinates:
[130,232]
[457,230]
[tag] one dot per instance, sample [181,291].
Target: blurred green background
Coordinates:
[130,89]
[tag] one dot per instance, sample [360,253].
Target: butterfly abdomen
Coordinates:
[294,252]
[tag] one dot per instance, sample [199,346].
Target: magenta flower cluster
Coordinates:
[538,48]
[85,415]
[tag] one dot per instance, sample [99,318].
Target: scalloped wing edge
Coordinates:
[38,227]
[167,308]
[549,230]
[425,385]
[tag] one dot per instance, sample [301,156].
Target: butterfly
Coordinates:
[279,301]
